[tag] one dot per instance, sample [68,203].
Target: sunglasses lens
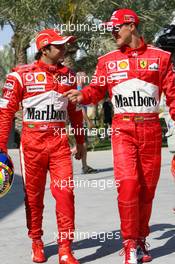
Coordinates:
[116,29]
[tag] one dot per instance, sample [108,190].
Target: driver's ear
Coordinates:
[132,26]
[44,51]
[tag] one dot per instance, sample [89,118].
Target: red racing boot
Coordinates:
[66,256]
[38,255]
[130,251]
[143,254]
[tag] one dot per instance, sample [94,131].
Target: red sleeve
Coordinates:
[168,86]
[76,119]
[9,105]
[96,91]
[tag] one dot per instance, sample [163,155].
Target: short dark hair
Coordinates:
[39,54]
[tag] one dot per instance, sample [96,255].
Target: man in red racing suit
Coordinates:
[134,75]
[44,143]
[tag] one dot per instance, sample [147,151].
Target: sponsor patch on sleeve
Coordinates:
[3,103]
[7,94]
[9,84]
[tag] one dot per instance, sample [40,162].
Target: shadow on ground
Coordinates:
[97,172]
[168,233]
[105,169]
[108,247]
[12,200]
[111,246]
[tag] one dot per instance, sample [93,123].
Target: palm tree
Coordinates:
[24,17]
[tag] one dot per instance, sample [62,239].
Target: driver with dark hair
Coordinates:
[44,147]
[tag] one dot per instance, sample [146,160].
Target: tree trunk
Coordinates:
[20,43]
[21,56]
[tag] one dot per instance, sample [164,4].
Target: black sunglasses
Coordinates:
[116,29]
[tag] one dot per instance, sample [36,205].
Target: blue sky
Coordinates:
[5,35]
[5,38]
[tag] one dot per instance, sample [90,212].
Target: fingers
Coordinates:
[71,95]
[78,156]
[73,151]
[79,153]
[66,94]
[73,100]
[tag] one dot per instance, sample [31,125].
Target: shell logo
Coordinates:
[123,65]
[40,77]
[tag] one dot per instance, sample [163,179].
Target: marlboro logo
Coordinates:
[135,100]
[49,114]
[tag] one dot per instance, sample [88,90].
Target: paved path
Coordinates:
[96,217]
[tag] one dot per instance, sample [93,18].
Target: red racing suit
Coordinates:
[44,143]
[135,79]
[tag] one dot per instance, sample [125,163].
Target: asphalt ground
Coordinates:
[97,236]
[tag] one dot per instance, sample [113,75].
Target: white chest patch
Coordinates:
[45,107]
[135,96]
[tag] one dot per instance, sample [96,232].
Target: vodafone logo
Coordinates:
[115,66]
[29,77]
[35,78]
[112,66]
